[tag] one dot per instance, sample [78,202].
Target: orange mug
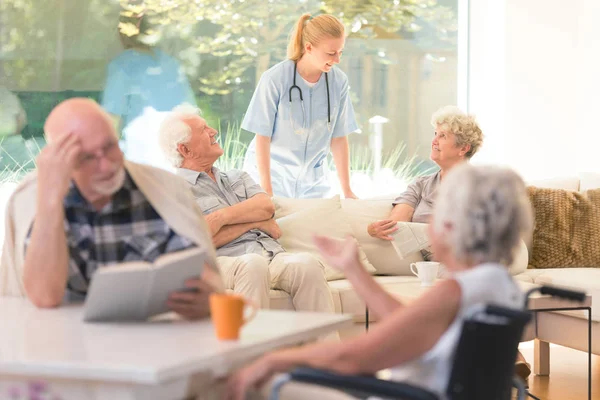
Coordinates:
[227,313]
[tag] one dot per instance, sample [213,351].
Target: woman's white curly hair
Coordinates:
[463,126]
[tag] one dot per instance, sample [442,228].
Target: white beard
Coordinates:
[110,186]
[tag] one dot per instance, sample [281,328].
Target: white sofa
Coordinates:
[298,219]
[339,217]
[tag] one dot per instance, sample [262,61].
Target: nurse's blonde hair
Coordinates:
[313,30]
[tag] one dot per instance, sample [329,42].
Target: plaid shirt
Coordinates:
[126,229]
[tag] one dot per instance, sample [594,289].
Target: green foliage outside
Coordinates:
[224,47]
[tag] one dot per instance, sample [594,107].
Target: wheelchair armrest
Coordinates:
[563,293]
[361,385]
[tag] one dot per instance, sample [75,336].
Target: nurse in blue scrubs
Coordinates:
[300,112]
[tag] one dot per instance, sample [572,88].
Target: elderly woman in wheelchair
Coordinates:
[474,232]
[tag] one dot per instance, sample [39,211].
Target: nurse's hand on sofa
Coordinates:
[339,254]
[382,229]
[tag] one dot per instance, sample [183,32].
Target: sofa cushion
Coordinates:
[381,253]
[529,275]
[567,228]
[523,277]
[350,301]
[285,206]
[322,217]
[584,279]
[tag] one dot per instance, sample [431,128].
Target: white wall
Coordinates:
[588,86]
[534,84]
[487,75]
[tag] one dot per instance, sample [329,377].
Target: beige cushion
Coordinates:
[567,228]
[350,301]
[381,253]
[584,279]
[520,260]
[323,217]
[523,277]
[285,206]
[530,275]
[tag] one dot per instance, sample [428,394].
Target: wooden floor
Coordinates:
[568,375]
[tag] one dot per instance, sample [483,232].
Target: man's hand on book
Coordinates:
[194,303]
[382,229]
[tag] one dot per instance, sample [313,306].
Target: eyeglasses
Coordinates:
[106,151]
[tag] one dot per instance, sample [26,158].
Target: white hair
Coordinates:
[489,211]
[173,131]
[463,126]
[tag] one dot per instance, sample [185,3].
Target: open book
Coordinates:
[139,290]
[411,237]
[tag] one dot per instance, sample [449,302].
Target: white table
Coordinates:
[159,360]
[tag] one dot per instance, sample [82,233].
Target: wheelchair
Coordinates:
[489,339]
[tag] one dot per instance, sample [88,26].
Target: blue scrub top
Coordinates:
[299,144]
[136,80]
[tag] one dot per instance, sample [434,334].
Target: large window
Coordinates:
[400,57]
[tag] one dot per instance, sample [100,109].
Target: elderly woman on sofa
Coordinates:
[456,139]
[474,232]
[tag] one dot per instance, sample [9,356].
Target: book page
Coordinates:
[173,258]
[172,272]
[118,293]
[126,266]
[410,238]
[209,272]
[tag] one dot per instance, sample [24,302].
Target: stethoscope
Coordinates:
[294,86]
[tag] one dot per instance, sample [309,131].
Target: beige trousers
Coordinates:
[247,275]
[299,274]
[303,277]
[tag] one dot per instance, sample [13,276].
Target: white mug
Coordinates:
[426,271]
